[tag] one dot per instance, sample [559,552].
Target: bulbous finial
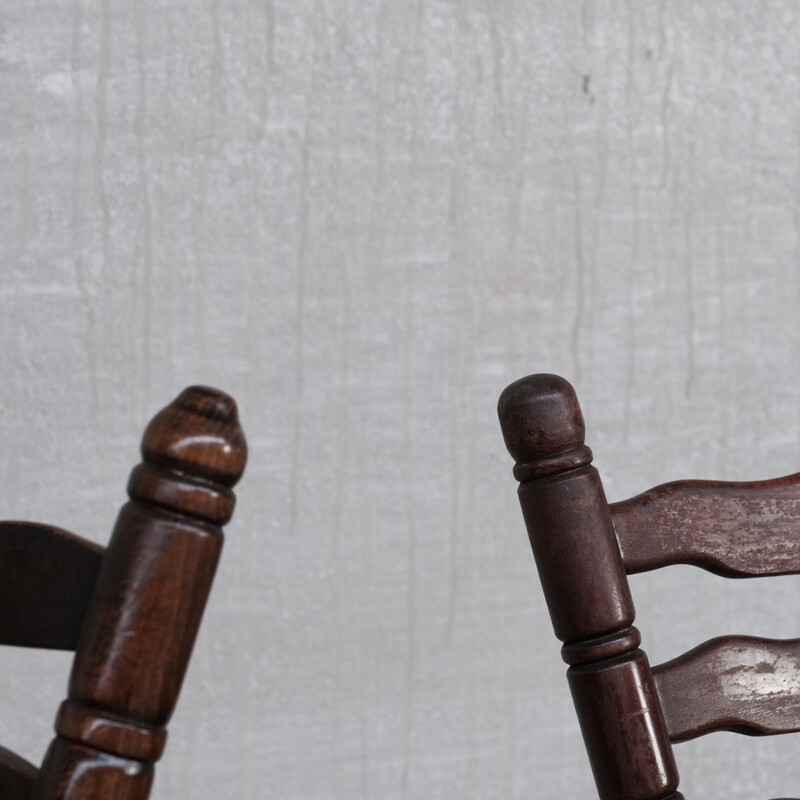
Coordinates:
[541,422]
[199,434]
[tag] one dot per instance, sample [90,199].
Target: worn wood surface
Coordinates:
[628,712]
[734,529]
[732,683]
[580,567]
[47,576]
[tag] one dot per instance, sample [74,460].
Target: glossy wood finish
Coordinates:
[72,770]
[572,536]
[732,683]
[148,598]
[46,579]
[623,728]
[733,529]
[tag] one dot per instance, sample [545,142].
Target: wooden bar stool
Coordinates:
[630,713]
[130,611]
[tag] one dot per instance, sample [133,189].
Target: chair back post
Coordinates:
[146,608]
[579,562]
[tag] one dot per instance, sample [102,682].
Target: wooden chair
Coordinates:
[630,713]
[131,611]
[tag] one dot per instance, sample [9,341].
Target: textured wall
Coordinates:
[364,219]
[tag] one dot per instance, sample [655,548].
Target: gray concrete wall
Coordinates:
[364,219]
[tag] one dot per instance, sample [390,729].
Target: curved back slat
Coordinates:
[46,580]
[732,683]
[17,776]
[738,530]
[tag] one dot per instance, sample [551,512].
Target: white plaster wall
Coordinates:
[364,219]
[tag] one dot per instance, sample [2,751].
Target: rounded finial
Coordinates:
[198,433]
[540,418]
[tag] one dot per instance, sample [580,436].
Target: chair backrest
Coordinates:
[130,611]
[630,713]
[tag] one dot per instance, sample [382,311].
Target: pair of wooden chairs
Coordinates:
[130,611]
[630,713]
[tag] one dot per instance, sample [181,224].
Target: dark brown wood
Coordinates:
[17,776]
[732,683]
[46,579]
[573,544]
[138,605]
[572,536]
[148,601]
[622,724]
[737,530]
[629,713]
[72,770]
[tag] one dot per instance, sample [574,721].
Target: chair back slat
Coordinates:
[17,776]
[47,576]
[737,530]
[732,683]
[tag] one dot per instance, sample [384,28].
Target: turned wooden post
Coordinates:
[584,581]
[147,604]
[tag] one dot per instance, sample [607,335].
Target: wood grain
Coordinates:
[131,611]
[732,683]
[630,714]
[737,530]
[586,588]
[46,579]
[147,604]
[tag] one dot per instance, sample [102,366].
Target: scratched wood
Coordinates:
[580,567]
[732,683]
[630,714]
[733,529]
